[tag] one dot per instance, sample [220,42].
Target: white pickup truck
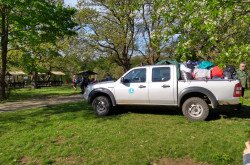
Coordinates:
[158,85]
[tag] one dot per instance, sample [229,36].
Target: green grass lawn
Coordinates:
[71,133]
[28,93]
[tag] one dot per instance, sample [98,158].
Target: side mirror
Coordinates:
[124,80]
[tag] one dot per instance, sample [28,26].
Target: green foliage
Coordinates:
[111,32]
[212,30]
[38,21]
[109,28]
[32,28]
[197,30]
[152,25]
[113,69]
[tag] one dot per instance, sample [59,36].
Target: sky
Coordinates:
[70,2]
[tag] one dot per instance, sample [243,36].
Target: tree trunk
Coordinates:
[126,62]
[4,49]
[126,65]
[34,82]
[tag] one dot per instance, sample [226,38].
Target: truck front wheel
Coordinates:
[195,109]
[101,105]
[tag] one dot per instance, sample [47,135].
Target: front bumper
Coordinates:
[86,96]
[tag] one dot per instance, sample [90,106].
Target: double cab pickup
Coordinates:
[159,85]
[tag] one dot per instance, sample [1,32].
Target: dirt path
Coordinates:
[35,103]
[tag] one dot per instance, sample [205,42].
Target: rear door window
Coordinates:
[161,74]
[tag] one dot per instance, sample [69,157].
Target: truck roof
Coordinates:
[148,66]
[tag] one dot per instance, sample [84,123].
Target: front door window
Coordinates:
[136,76]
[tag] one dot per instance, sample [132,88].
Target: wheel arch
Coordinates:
[200,92]
[102,92]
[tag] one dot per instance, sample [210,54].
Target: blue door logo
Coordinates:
[131,90]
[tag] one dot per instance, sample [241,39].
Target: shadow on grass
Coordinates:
[230,112]
[21,97]
[41,116]
[215,114]
[47,111]
[154,110]
[47,116]
[29,93]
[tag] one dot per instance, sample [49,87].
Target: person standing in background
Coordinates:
[74,81]
[242,76]
[108,77]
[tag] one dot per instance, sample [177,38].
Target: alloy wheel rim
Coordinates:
[101,106]
[195,110]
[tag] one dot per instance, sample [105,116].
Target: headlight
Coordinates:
[88,89]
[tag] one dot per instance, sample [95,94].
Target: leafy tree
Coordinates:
[29,24]
[212,30]
[109,27]
[152,43]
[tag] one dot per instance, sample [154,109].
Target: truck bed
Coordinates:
[222,89]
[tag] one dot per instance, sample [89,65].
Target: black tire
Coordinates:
[101,105]
[195,109]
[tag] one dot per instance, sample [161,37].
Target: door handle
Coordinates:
[142,86]
[165,86]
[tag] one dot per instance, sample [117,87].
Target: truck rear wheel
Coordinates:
[101,105]
[195,109]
